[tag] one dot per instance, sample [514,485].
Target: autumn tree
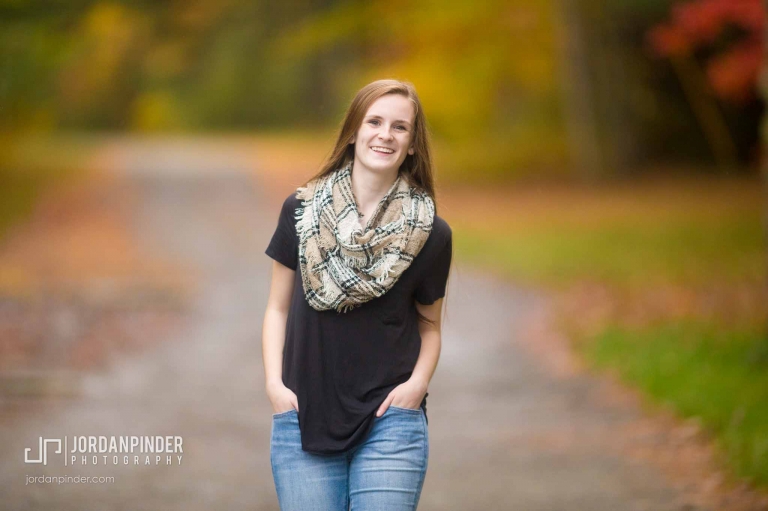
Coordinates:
[729,36]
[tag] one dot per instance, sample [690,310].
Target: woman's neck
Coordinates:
[369,188]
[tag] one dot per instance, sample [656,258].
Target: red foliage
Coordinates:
[733,72]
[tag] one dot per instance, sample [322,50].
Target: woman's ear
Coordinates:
[410,151]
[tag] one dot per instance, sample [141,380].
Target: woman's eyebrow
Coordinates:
[380,117]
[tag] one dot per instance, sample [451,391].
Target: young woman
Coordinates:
[351,333]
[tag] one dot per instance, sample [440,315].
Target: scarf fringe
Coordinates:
[303,215]
[386,269]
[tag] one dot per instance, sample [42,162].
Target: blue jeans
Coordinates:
[385,472]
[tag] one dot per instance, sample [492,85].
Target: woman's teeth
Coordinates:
[382,150]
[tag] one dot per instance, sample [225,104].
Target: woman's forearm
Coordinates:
[431,339]
[428,357]
[272,343]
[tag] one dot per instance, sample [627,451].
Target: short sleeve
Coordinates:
[433,284]
[283,247]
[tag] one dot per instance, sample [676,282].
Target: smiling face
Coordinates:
[384,138]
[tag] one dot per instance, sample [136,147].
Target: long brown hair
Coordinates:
[417,168]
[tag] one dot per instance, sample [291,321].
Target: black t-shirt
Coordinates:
[342,366]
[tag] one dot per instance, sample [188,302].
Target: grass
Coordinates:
[28,166]
[683,232]
[621,253]
[17,197]
[719,375]
[703,239]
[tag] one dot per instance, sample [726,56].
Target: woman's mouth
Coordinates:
[382,151]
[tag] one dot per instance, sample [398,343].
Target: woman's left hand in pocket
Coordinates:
[409,394]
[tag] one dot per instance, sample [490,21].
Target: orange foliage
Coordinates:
[733,71]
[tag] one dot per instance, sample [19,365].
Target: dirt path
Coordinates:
[504,433]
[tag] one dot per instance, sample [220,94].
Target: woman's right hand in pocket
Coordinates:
[282,398]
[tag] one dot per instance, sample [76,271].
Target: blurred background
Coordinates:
[607,156]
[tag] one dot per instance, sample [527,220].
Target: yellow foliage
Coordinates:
[155,111]
[109,31]
[166,60]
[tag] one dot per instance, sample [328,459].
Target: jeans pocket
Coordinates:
[284,414]
[416,411]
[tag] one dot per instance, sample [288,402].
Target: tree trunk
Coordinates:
[762,348]
[578,92]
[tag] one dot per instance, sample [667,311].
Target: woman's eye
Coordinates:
[375,122]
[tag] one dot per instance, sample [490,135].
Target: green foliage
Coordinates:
[491,74]
[625,253]
[19,192]
[17,196]
[486,71]
[30,166]
[703,370]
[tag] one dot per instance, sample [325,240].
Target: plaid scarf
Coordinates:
[344,265]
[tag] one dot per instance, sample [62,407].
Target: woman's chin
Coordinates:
[382,167]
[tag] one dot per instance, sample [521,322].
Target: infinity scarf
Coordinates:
[344,265]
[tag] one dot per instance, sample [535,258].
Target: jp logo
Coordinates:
[43,450]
